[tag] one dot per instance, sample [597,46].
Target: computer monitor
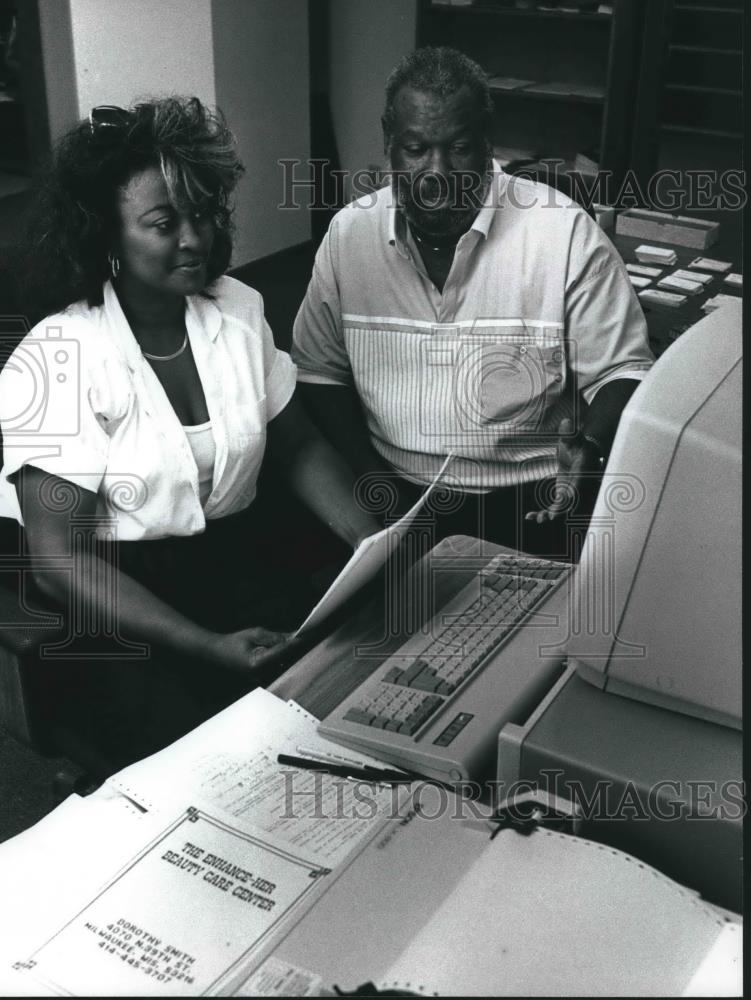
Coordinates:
[656,599]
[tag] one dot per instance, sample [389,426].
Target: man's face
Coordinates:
[440,157]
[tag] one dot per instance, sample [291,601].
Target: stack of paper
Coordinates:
[183,871]
[682,285]
[704,279]
[639,280]
[717,302]
[644,271]
[648,254]
[660,298]
[709,264]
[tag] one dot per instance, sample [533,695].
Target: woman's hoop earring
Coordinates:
[114,263]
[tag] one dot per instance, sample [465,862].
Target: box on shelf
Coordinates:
[666,228]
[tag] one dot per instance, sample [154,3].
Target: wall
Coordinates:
[249,57]
[366,40]
[130,49]
[61,92]
[262,85]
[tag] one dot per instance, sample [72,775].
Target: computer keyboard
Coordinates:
[395,710]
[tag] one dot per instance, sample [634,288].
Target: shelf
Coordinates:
[561,15]
[698,88]
[706,50]
[537,95]
[704,9]
[706,132]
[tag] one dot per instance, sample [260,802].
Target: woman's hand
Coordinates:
[249,650]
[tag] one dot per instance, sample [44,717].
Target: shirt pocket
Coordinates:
[514,380]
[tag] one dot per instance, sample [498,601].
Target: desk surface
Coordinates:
[666,324]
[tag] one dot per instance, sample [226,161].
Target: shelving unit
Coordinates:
[703,85]
[596,54]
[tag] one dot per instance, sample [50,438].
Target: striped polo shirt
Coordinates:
[537,313]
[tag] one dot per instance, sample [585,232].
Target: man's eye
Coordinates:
[413,150]
[461,148]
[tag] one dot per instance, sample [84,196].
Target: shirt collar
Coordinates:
[201,314]
[397,226]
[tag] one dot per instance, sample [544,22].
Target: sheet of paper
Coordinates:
[252,723]
[303,809]
[230,762]
[189,912]
[368,558]
[56,865]
[573,918]
[280,979]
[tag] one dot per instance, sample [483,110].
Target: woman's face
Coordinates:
[161,248]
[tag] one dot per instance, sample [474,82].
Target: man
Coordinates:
[463,311]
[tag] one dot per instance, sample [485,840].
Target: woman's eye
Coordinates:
[460,148]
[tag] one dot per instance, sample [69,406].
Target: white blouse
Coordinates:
[201,441]
[79,400]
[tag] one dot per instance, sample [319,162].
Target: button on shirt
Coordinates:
[79,400]
[537,312]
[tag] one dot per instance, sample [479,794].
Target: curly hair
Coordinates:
[75,218]
[436,70]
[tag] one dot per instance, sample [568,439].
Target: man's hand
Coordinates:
[578,478]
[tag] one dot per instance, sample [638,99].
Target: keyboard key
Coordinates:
[411,672]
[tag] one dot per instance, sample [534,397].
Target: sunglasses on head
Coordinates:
[107,116]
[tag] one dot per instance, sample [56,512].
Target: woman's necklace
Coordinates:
[167,357]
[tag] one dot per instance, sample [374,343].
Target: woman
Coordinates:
[162,388]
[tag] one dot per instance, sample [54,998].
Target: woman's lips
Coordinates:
[189,265]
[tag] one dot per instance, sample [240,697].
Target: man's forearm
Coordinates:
[604,412]
[338,414]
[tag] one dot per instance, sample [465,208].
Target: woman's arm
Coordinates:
[77,581]
[318,474]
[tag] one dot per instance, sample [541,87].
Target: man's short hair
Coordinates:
[440,71]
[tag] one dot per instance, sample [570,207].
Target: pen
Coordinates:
[328,757]
[363,773]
